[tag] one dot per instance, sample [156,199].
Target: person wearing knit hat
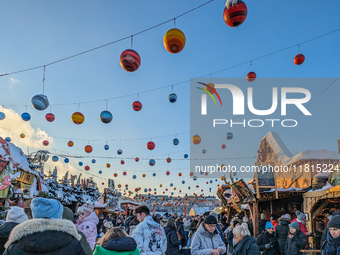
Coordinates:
[46,208]
[274,221]
[218,228]
[296,239]
[301,219]
[332,242]
[267,241]
[173,237]
[15,216]
[326,230]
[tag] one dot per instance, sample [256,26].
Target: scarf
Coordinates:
[240,248]
[301,221]
[332,245]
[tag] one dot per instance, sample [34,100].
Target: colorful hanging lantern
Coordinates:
[168,160]
[78,118]
[45,143]
[108,165]
[130,60]
[93,161]
[88,148]
[87,168]
[136,189]
[119,185]
[160,185]
[152,162]
[55,158]
[80,163]
[119,152]
[115,175]
[136,159]
[196,139]
[229,136]
[40,102]
[106,117]
[106,147]
[223,146]
[235,13]
[189,187]
[103,183]
[22,135]
[167,173]
[100,171]
[122,162]
[186,156]
[2,116]
[204,151]
[179,174]
[66,160]
[154,174]
[195,178]
[150,145]
[191,174]
[145,190]
[172,98]
[299,59]
[70,143]
[137,106]
[143,175]
[50,117]
[171,184]
[8,139]
[134,177]
[183,182]
[174,40]
[175,141]
[251,76]
[25,116]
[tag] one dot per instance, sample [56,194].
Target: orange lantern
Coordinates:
[179,174]
[196,139]
[115,174]
[70,143]
[108,165]
[88,149]
[174,40]
[78,118]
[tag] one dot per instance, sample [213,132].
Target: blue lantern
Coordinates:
[154,174]
[229,136]
[40,102]
[183,182]
[55,158]
[106,147]
[119,152]
[211,181]
[186,155]
[234,173]
[93,161]
[172,98]
[126,188]
[189,187]
[209,189]
[106,117]
[215,180]
[145,190]
[2,116]
[100,171]
[194,178]
[7,139]
[154,189]
[66,160]
[152,162]
[171,185]
[80,163]
[175,141]
[172,193]
[204,151]
[25,116]
[134,176]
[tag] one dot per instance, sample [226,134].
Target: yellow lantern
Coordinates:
[174,40]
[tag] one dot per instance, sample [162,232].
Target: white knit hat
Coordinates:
[17,215]
[80,209]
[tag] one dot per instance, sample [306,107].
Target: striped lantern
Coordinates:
[88,148]
[105,117]
[130,60]
[137,106]
[40,102]
[50,117]
[196,139]
[174,40]
[172,98]
[251,76]
[299,59]
[25,116]
[78,118]
[70,143]
[150,145]
[235,13]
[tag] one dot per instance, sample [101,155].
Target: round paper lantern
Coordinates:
[175,141]
[106,147]
[136,159]
[93,161]
[55,158]
[143,175]
[119,152]
[229,136]
[87,168]
[70,143]
[206,173]
[235,14]
[145,190]
[108,165]
[136,189]
[22,135]
[25,116]
[186,156]
[66,160]
[78,118]
[134,177]
[119,185]
[88,148]
[80,163]
[183,182]
[40,102]
[160,185]
[191,174]
[189,187]
[50,117]
[195,178]
[150,145]
[196,139]
[137,106]
[102,183]
[130,60]
[168,160]
[251,76]
[179,174]
[299,59]
[150,189]
[154,174]
[167,173]
[204,151]
[8,139]
[197,186]
[45,143]
[126,185]
[174,40]
[122,162]
[152,162]
[172,98]
[2,116]
[106,117]
[115,175]
[171,184]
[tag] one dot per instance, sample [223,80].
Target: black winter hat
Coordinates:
[210,220]
[334,222]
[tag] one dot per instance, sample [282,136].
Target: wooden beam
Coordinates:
[256,218]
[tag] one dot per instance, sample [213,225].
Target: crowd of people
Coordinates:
[56,229]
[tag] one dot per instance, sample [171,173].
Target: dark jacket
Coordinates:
[324,236]
[266,238]
[331,245]
[230,238]
[192,227]
[119,245]
[44,237]
[180,229]
[100,225]
[172,240]
[247,246]
[295,244]
[281,233]
[262,225]
[5,230]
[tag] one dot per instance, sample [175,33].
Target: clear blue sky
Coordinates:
[39,32]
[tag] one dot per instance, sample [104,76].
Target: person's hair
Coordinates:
[142,209]
[241,231]
[199,222]
[112,233]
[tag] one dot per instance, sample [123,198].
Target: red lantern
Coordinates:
[299,59]
[136,189]
[124,173]
[197,186]
[168,160]
[206,173]
[45,143]
[191,174]
[166,189]
[50,117]
[167,173]
[115,174]
[126,185]
[150,145]
[179,174]
[130,60]
[251,76]
[136,159]
[122,162]
[235,14]
[87,168]
[223,146]
[88,149]
[137,106]
[102,183]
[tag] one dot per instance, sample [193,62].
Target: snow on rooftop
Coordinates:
[327,186]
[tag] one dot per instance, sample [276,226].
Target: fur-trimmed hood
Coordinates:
[42,225]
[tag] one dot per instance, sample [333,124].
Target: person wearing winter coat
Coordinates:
[116,242]
[245,244]
[192,228]
[230,237]
[296,240]
[218,228]
[172,237]
[88,224]
[180,229]
[325,231]
[119,223]
[149,235]
[281,231]
[186,227]
[301,219]
[207,240]
[273,220]
[331,246]
[15,216]
[262,222]
[100,224]
[267,241]
[46,233]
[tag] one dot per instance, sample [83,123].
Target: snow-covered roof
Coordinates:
[327,186]
[287,158]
